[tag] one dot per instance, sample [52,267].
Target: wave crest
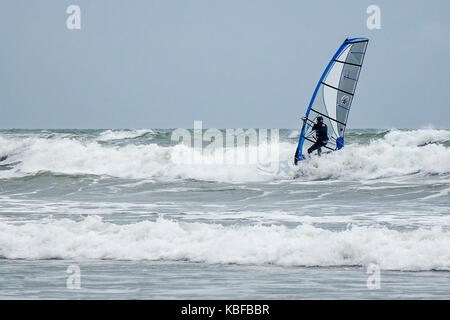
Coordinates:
[305,245]
[396,153]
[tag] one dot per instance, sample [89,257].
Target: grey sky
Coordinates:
[230,63]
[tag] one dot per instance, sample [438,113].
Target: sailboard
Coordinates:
[333,97]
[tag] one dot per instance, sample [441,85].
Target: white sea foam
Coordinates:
[122,134]
[294,134]
[399,153]
[417,137]
[305,245]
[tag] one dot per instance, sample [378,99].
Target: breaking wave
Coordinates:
[305,245]
[395,153]
[123,134]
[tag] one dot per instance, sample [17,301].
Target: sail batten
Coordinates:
[332,87]
[334,95]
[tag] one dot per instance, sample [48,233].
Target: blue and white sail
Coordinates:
[333,96]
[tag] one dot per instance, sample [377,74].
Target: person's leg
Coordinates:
[321,144]
[317,146]
[314,147]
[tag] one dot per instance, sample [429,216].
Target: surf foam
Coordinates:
[123,134]
[398,153]
[305,245]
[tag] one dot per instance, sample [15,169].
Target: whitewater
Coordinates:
[129,209]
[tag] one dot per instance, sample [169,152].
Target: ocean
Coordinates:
[137,214]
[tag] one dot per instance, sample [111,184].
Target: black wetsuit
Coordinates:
[321,137]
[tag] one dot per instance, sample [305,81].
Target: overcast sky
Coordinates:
[230,63]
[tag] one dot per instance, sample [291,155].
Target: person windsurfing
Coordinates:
[321,130]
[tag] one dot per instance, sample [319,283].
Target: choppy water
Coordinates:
[141,221]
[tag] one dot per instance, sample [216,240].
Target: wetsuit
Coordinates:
[321,137]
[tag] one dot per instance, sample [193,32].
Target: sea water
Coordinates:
[122,213]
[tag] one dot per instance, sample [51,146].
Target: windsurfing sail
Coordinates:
[333,97]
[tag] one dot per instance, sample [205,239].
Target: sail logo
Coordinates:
[344,99]
[374,20]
